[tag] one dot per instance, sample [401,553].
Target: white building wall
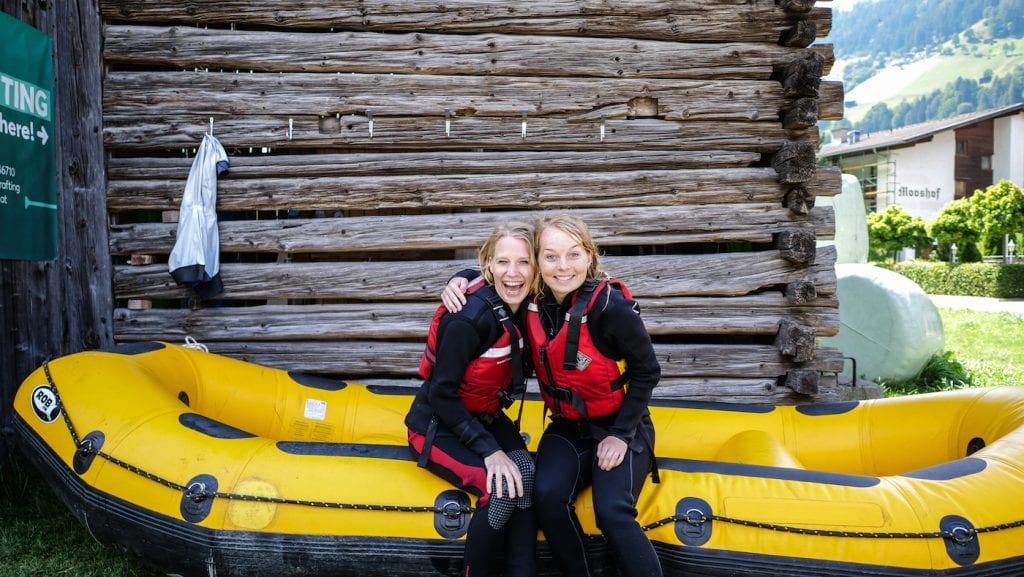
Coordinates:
[924,175]
[1008,147]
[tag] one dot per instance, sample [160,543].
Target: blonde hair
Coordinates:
[580,232]
[509,229]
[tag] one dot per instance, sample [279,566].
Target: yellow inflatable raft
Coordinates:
[204,465]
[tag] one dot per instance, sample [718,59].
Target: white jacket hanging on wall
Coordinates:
[195,259]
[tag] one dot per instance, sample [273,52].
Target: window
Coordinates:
[961,189]
[961,148]
[986,162]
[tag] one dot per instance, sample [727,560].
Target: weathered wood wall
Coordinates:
[52,308]
[372,143]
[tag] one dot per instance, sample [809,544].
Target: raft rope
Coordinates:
[961,535]
[197,492]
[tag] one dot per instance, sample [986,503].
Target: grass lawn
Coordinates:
[990,345]
[40,538]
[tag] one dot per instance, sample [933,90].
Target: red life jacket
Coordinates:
[490,374]
[576,380]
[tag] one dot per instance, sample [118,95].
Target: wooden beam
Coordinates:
[726,274]
[754,315]
[539,191]
[427,53]
[689,20]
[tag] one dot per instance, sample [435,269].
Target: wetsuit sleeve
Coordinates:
[621,335]
[458,341]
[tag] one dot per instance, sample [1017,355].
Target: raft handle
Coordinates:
[962,535]
[695,517]
[196,492]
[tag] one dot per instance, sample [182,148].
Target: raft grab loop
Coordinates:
[197,498]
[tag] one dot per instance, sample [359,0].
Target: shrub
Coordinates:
[969,279]
[942,372]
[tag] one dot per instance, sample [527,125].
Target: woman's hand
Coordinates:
[454,294]
[501,468]
[611,451]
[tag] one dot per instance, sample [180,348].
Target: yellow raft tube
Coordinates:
[204,465]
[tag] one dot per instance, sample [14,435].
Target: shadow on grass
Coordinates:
[39,537]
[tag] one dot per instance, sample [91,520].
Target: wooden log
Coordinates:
[799,199]
[795,162]
[803,381]
[754,315]
[797,247]
[161,169]
[655,225]
[379,358]
[229,94]
[830,100]
[804,113]
[800,35]
[426,53]
[800,292]
[124,133]
[795,341]
[802,75]
[692,20]
[540,191]
[797,6]
[727,274]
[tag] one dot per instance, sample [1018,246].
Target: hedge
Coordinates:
[969,279]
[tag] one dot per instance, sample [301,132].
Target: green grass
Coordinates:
[989,345]
[39,537]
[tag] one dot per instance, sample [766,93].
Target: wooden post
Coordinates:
[803,381]
[801,76]
[799,35]
[800,292]
[795,162]
[803,114]
[795,341]
[797,246]
[798,200]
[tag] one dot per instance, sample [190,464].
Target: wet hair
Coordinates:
[580,232]
[511,229]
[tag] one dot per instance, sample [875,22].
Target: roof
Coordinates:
[914,133]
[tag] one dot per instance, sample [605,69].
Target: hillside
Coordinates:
[901,54]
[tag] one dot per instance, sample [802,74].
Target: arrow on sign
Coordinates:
[29,203]
[41,133]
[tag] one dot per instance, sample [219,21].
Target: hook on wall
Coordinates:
[369,123]
[290,125]
[211,126]
[522,128]
[447,123]
[601,131]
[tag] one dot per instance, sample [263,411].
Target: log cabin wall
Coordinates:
[374,145]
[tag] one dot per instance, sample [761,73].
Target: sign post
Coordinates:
[28,180]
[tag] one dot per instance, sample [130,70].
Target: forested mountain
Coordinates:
[892,27]
[879,33]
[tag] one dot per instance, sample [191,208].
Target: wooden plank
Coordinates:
[187,129]
[655,225]
[726,274]
[427,53]
[689,20]
[539,191]
[354,358]
[174,170]
[168,93]
[758,315]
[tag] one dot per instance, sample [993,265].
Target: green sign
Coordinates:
[28,180]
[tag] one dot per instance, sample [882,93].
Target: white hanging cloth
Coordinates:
[195,259]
